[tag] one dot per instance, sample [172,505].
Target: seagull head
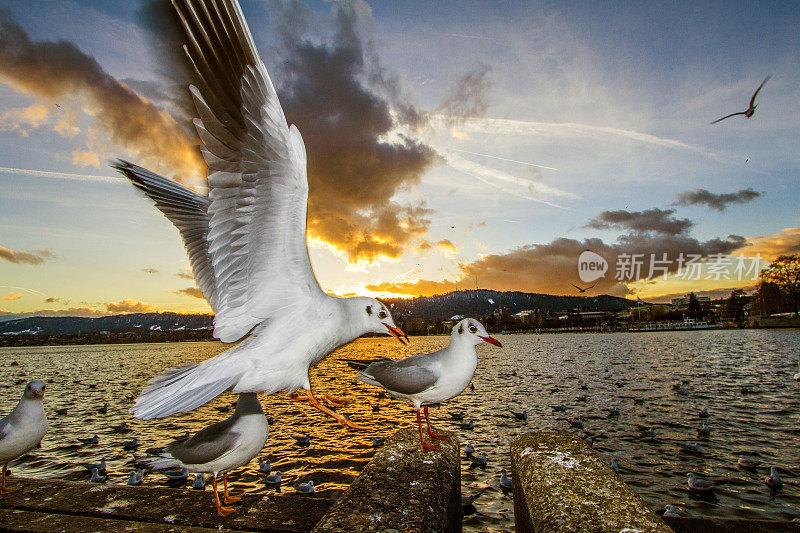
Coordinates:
[473,331]
[34,390]
[376,318]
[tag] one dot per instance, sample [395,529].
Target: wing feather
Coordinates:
[185,209]
[258,188]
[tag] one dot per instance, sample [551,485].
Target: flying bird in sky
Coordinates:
[582,290]
[750,110]
[246,240]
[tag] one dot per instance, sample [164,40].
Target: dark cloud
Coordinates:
[650,220]
[55,299]
[345,103]
[60,71]
[129,306]
[185,275]
[34,257]
[150,271]
[552,268]
[191,291]
[716,201]
[469,97]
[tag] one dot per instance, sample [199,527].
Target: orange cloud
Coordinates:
[85,158]
[54,71]
[447,245]
[129,306]
[12,296]
[787,242]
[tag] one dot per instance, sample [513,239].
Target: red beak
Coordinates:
[397,333]
[491,340]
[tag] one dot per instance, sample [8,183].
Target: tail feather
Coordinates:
[361,364]
[159,463]
[183,389]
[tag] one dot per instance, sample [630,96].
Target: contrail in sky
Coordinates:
[23,289]
[504,159]
[61,175]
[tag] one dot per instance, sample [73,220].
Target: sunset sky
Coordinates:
[449,144]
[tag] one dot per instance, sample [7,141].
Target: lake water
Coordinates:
[530,372]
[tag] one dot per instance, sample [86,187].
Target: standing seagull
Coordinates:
[23,428]
[430,378]
[220,447]
[752,108]
[246,240]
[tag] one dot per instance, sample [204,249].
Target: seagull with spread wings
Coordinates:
[246,240]
[751,109]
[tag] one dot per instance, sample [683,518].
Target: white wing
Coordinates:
[185,209]
[258,188]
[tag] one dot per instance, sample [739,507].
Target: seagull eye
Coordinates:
[473,329]
[382,314]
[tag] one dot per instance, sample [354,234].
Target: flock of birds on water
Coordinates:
[246,241]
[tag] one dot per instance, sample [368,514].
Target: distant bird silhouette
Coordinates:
[176,478]
[469,449]
[305,488]
[615,465]
[704,430]
[130,445]
[748,463]
[774,481]
[90,440]
[61,412]
[671,512]
[479,461]
[303,440]
[703,413]
[264,467]
[522,415]
[377,442]
[752,108]
[506,484]
[467,425]
[100,467]
[136,477]
[273,479]
[199,482]
[797,375]
[121,428]
[103,410]
[582,290]
[457,415]
[699,485]
[97,478]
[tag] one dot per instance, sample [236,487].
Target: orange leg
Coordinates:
[228,499]
[432,435]
[422,438]
[222,511]
[3,489]
[342,420]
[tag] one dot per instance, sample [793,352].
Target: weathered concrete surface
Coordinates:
[402,489]
[160,505]
[700,524]
[561,485]
[33,522]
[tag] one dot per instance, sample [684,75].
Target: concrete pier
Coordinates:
[562,485]
[53,505]
[402,489]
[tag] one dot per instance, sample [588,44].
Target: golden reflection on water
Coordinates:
[530,372]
